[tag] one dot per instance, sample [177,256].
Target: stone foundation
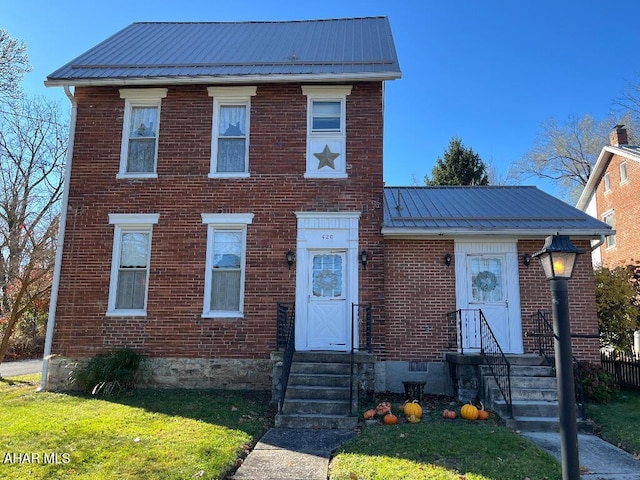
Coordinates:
[232,374]
[389,376]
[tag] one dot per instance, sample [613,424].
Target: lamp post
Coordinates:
[558,256]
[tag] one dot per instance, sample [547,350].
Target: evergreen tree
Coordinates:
[461,166]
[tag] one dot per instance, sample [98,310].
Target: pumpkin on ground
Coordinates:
[390,419]
[482,413]
[469,411]
[449,414]
[413,409]
[369,414]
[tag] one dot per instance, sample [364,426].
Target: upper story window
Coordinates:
[326,130]
[225,264]
[130,263]
[609,219]
[139,151]
[607,183]
[230,140]
[623,172]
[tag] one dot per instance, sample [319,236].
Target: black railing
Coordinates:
[285,339]
[497,361]
[362,313]
[473,332]
[545,344]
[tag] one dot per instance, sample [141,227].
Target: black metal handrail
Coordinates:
[356,314]
[496,359]
[286,339]
[545,338]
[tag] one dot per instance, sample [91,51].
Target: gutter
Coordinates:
[409,232]
[598,243]
[53,303]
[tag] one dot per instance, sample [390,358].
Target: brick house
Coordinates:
[219,170]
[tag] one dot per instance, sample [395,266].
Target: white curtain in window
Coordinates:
[233,121]
[143,122]
[134,250]
[227,271]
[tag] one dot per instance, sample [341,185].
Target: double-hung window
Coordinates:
[609,218]
[139,151]
[326,130]
[130,263]
[225,264]
[230,142]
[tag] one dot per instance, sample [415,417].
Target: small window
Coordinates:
[623,172]
[225,264]
[609,219]
[139,151]
[230,142]
[130,263]
[326,116]
[607,183]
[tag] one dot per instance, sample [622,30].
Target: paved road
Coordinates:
[22,367]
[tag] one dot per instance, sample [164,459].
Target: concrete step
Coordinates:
[319,380]
[321,367]
[334,422]
[316,392]
[526,359]
[544,424]
[522,408]
[524,371]
[316,407]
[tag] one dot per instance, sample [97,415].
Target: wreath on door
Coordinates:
[485,281]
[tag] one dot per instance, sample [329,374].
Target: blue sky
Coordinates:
[486,71]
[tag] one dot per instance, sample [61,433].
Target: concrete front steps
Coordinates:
[318,394]
[534,396]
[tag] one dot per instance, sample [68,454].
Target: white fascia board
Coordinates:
[193,80]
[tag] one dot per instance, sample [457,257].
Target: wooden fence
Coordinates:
[624,367]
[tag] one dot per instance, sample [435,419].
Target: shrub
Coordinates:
[107,374]
[598,384]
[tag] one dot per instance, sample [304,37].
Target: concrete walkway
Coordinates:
[598,459]
[21,367]
[292,454]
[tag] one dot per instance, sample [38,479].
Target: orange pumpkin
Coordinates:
[369,414]
[390,419]
[482,413]
[449,414]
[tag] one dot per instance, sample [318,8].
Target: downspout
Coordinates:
[51,320]
[597,245]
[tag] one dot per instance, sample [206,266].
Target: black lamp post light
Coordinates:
[558,257]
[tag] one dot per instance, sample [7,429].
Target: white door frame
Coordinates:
[508,249]
[325,231]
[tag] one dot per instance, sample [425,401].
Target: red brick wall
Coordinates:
[623,198]
[420,291]
[275,190]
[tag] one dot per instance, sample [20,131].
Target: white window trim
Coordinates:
[610,240]
[223,96]
[123,223]
[139,97]
[336,93]
[623,168]
[224,221]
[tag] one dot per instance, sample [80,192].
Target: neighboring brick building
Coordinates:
[206,185]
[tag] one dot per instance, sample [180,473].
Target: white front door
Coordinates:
[327,302]
[487,280]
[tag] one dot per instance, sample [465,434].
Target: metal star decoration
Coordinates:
[326,158]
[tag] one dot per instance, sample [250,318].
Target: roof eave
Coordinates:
[410,232]
[223,79]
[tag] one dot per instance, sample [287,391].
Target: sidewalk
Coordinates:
[292,454]
[21,367]
[598,459]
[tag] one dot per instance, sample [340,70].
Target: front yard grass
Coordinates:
[146,434]
[618,421]
[439,449]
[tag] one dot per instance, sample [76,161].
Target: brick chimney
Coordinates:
[618,136]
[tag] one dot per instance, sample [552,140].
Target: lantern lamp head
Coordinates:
[447,259]
[364,258]
[558,257]
[290,258]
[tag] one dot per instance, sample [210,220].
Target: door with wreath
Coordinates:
[488,281]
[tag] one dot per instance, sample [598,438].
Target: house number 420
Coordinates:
[327,236]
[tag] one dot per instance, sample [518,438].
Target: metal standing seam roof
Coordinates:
[520,210]
[338,49]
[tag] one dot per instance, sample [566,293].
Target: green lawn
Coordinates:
[147,434]
[439,449]
[618,422]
